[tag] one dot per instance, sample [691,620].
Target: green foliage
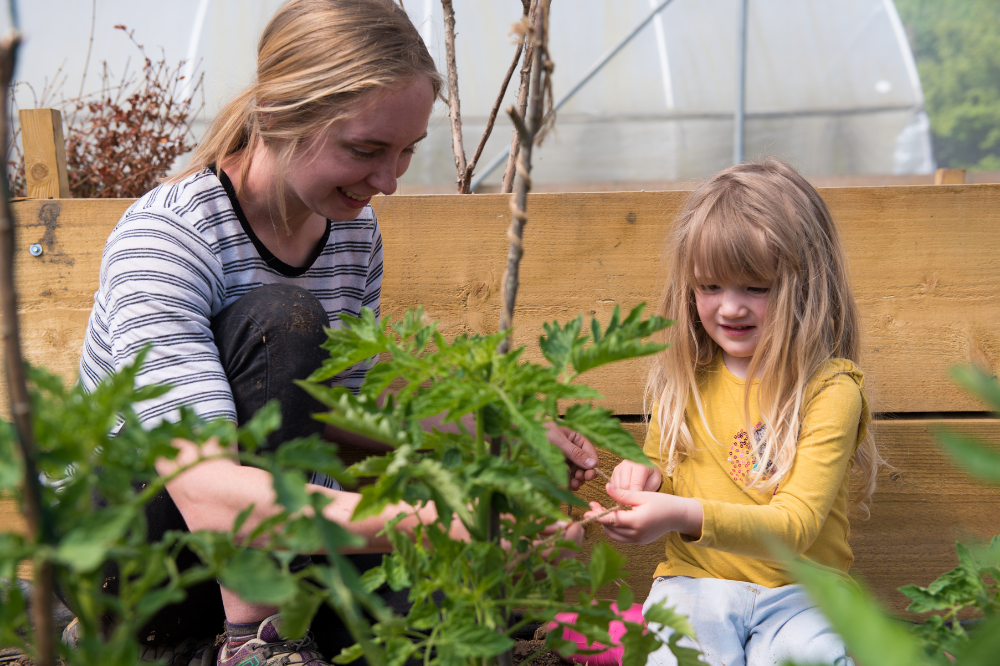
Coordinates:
[957,49]
[78,459]
[873,637]
[464,591]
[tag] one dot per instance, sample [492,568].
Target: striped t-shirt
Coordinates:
[179,256]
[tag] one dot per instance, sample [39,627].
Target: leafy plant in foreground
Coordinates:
[464,593]
[79,459]
[874,638]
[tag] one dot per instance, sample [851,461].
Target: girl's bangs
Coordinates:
[730,248]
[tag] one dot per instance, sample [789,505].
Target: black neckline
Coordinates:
[266,255]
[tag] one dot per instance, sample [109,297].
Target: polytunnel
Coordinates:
[830,85]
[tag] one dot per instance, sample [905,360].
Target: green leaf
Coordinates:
[871,636]
[470,640]
[297,613]
[604,431]
[637,645]
[606,564]
[253,434]
[290,489]
[356,414]
[560,342]
[980,384]
[664,616]
[984,647]
[976,458]
[620,341]
[86,546]
[255,577]
[359,340]
[349,654]
[625,598]
[444,483]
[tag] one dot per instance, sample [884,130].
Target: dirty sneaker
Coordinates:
[270,649]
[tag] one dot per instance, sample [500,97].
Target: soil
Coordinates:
[524,649]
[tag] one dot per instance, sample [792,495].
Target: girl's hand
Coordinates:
[652,515]
[630,475]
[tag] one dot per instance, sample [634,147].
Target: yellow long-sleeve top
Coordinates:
[806,514]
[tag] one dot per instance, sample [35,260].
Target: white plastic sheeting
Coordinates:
[831,84]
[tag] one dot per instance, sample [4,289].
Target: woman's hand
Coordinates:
[652,515]
[630,475]
[581,456]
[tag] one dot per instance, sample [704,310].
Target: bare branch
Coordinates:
[539,87]
[39,528]
[454,109]
[507,185]
[493,116]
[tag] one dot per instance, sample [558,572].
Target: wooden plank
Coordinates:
[923,265]
[918,513]
[44,153]
[949,177]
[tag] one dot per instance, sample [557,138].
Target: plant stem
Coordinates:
[39,527]
[454,110]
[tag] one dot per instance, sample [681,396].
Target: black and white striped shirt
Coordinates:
[179,256]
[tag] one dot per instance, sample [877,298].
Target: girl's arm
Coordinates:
[652,515]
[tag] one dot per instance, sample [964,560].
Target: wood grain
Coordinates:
[920,509]
[923,266]
[44,153]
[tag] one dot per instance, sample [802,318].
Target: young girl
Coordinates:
[233,268]
[759,419]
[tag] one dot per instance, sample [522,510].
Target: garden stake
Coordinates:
[507,185]
[465,170]
[35,514]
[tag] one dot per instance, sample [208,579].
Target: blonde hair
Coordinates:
[759,223]
[315,59]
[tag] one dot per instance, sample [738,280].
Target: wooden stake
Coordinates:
[39,528]
[949,177]
[44,154]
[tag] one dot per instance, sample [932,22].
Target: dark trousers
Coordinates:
[266,339]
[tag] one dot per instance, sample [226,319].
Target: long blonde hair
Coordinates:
[315,59]
[762,223]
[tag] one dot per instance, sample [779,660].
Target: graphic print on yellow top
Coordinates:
[745,526]
[744,457]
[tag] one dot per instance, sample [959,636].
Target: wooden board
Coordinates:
[919,511]
[923,264]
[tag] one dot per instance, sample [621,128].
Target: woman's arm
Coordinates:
[211,494]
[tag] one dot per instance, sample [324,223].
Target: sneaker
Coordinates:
[270,649]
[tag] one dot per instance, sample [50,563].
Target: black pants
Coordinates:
[266,339]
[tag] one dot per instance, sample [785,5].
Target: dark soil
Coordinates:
[524,649]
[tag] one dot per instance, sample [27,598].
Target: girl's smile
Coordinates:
[732,314]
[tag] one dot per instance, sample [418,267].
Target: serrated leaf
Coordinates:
[349,654]
[445,484]
[620,340]
[470,640]
[253,434]
[606,564]
[604,431]
[666,616]
[560,342]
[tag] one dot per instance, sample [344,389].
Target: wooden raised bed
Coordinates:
[924,268]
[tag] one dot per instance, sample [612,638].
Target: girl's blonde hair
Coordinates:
[315,59]
[759,223]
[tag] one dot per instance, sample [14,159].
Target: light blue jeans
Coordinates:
[742,624]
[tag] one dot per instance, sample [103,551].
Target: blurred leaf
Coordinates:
[871,636]
[668,617]
[255,577]
[85,547]
[984,647]
[976,458]
[297,613]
